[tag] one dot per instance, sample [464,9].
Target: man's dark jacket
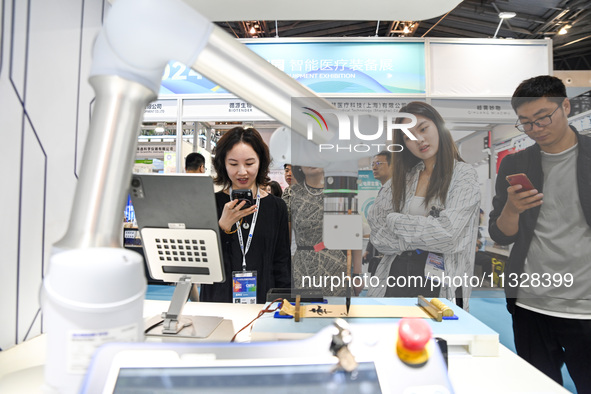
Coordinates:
[529,162]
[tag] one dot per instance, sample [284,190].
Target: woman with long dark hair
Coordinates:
[425,221]
[255,239]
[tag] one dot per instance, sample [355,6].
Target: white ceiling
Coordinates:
[240,10]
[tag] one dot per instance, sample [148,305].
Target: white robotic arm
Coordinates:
[138,39]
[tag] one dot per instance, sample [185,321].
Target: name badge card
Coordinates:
[244,287]
[434,267]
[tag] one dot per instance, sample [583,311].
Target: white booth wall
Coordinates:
[46,103]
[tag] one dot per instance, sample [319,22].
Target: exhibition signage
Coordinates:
[161,110]
[222,109]
[325,67]
[226,109]
[367,190]
[493,110]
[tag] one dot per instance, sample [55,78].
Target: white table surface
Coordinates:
[21,367]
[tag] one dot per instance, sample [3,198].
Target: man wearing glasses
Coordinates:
[380,165]
[382,171]
[548,277]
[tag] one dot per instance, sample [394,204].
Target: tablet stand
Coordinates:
[176,324]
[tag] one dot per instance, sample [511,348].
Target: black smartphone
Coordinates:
[243,195]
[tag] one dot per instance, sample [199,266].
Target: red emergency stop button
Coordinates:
[413,336]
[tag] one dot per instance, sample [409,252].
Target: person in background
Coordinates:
[381,167]
[483,261]
[480,239]
[291,180]
[195,163]
[305,205]
[253,238]
[548,274]
[289,175]
[274,188]
[382,171]
[425,220]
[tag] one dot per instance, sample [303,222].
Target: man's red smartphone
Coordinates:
[520,179]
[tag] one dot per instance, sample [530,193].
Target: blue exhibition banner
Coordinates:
[325,67]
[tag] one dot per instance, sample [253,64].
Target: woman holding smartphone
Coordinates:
[254,235]
[425,221]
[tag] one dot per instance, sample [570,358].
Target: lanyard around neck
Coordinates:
[244,249]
